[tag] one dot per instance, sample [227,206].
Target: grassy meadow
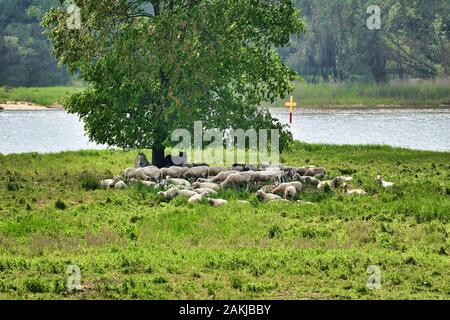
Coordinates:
[424,94]
[130,245]
[45,96]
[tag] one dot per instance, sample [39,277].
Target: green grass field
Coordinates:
[130,245]
[48,96]
[321,95]
[409,95]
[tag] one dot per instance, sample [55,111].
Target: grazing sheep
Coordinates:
[214,171]
[383,183]
[173,172]
[208,185]
[289,174]
[326,184]
[197,198]
[309,181]
[204,180]
[187,194]
[148,174]
[269,188]
[107,184]
[268,197]
[281,189]
[238,180]
[302,171]
[149,184]
[177,182]
[290,193]
[169,194]
[129,173]
[206,191]
[120,185]
[351,192]
[312,172]
[222,176]
[197,173]
[217,202]
[266,176]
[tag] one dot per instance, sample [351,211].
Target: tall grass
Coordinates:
[42,96]
[348,94]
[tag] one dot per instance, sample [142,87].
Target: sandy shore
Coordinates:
[25,106]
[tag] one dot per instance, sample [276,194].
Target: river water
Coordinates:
[426,129]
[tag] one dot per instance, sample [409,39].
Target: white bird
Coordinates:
[383,183]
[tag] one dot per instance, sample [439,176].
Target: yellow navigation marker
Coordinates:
[291,104]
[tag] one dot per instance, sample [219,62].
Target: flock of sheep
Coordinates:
[196,183]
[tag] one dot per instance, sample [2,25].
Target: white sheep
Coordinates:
[281,189]
[107,184]
[358,192]
[383,183]
[222,176]
[177,182]
[290,193]
[208,185]
[206,191]
[326,184]
[238,180]
[169,194]
[215,170]
[268,197]
[312,172]
[269,188]
[173,172]
[197,198]
[217,202]
[197,173]
[120,185]
[187,194]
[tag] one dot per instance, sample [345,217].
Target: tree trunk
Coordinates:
[158,156]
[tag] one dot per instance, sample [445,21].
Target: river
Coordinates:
[421,129]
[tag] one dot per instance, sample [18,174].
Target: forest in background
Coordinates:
[413,42]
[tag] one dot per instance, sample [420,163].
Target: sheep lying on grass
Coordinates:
[276,183]
[281,189]
[207,185]
[384,184]
[268,197]
[217,202]
[351,192]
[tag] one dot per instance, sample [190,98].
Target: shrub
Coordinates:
[89,181]
[274,231]
[60,205]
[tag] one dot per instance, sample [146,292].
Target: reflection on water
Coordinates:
[55,130]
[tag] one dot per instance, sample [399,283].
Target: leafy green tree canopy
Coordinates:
[155,66]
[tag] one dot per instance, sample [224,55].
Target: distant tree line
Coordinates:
[413,42]
[25,53]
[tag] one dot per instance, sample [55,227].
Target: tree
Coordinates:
[155,66]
